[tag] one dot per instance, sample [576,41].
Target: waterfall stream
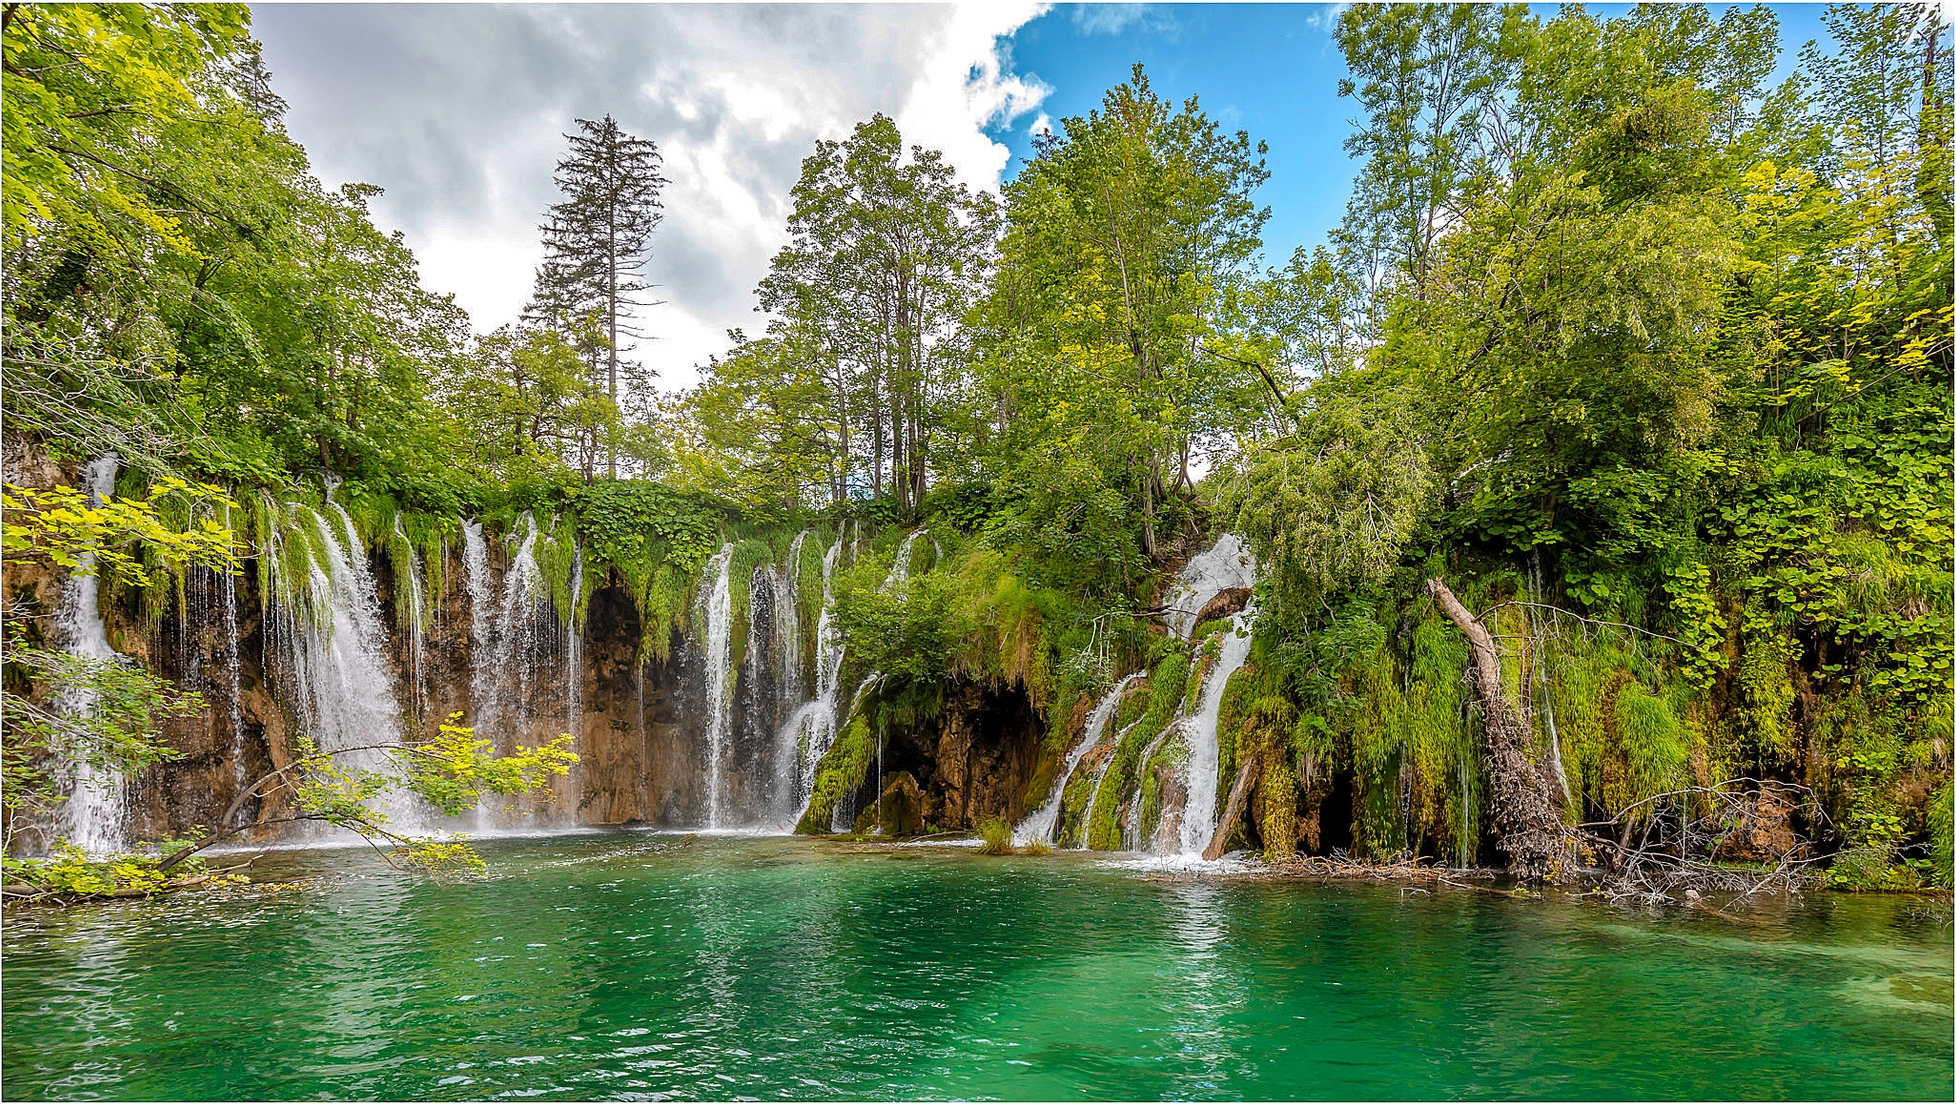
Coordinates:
[716,601]
[1225,565]
[1039,826]
[1199,815]
[92,816]
[811,728]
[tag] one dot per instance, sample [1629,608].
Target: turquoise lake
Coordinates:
[642,966]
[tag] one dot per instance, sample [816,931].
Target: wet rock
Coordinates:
[901,810]
[1227,603]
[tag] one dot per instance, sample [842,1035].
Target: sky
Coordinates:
[458,111]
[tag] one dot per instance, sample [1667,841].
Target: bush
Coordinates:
[997,835]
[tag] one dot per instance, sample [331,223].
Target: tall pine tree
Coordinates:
[596,240]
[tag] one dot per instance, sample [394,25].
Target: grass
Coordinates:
[997,836]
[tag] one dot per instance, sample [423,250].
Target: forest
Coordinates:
[1595,469]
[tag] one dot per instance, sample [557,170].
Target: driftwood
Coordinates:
[1672,846]
[1233,811]
[1527,810]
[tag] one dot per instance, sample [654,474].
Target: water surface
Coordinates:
[630,965]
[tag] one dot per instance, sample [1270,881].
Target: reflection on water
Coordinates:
[631,965]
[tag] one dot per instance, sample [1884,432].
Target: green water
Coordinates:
[634,966]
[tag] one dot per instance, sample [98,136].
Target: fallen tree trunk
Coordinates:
[1233,811]
[1527,815]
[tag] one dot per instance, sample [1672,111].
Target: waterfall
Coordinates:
[414,627]
[507,646]
[92,816]
[1227,564]
[233,667]
[787,626]
[574,654]
[900,568]
[1039,826]
[1199,815]
[811,728]
[335,642]
[475,571]
[716,599]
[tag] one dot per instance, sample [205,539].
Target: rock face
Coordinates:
[1228,602]
[639,722]
[974,760]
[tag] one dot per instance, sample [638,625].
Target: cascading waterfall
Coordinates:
[335,642]
[234,672]
[415,627]
[900,568]
[508,648]
[1039,826]
[92,816]
[716,600]
[1199,815]
[806,737]
[574,655]
[475,572]
[787,626]
[1225,565]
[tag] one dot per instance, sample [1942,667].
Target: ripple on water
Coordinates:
[639,966]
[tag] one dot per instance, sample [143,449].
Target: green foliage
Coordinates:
[912,632]
[65,526]
[69,873]
[455,771]
[996,836]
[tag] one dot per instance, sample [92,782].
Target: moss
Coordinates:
[1656,743]
[1167,686]
[1768,691]
[840,773]
[749,556]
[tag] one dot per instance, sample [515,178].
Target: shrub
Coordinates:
[997,835]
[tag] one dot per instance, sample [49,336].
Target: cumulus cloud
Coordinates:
[458,112]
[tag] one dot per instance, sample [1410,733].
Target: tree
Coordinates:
[1101,332]
[531,405]
[885,255]
[1424,74]
[596,239]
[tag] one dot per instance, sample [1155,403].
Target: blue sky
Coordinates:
[1271,69]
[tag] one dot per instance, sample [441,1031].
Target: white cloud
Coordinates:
[1108,19]
[458,113]
[1325,18]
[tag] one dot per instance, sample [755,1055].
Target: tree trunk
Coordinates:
[1232,811]
[1527,815]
